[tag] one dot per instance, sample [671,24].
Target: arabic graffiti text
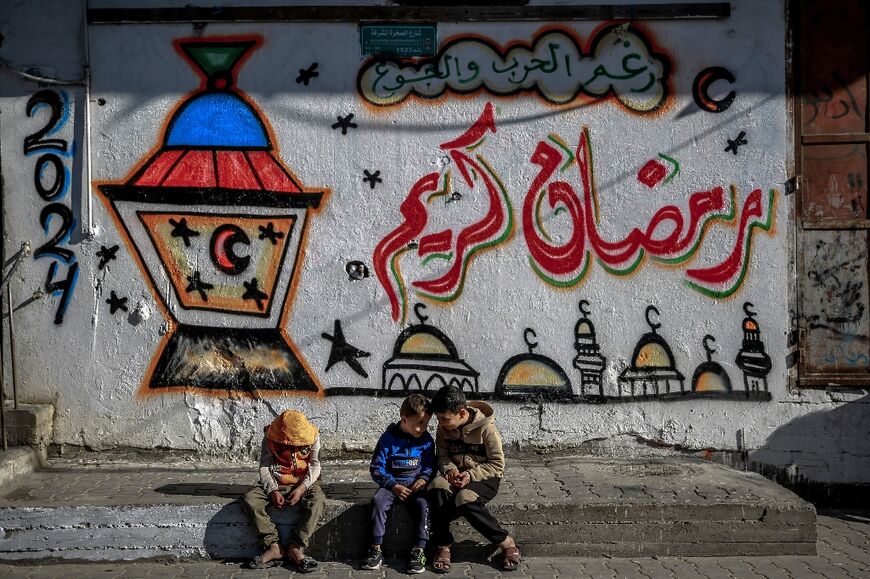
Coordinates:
[566,264]
[672,237]
[620,63]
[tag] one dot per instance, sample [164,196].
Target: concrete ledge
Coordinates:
[574,506]
[16,462]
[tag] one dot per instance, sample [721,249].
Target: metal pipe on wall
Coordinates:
[12,346]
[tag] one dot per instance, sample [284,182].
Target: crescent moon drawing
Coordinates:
[222,245]
[701,88]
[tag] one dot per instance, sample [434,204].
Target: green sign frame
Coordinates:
[403,40]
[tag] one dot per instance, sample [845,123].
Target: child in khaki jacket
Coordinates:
[470,466]
[289,477]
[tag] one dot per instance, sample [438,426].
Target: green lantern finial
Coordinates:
[217,59]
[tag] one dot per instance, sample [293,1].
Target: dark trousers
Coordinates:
[383,501]
[445,511]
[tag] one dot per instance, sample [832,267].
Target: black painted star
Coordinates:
[344,124]
[372,178]
[252,292]
[306,74]
[197,285]
[343,352]
[180,229]
[268,232]
[116,303]
[733,145]
[106,254]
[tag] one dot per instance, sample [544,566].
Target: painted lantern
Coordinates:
[217,223]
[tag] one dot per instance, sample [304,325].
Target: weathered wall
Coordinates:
[189,306]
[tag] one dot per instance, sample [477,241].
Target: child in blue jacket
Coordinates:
[402,465]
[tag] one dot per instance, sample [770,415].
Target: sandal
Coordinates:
[258,563]
[306,565]
[441,564]
[512,558]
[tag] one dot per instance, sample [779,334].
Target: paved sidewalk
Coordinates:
[843,551]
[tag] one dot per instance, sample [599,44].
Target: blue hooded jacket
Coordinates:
[399,458]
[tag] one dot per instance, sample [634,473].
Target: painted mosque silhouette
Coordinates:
[424,358]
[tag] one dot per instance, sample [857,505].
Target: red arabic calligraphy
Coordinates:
[566,264]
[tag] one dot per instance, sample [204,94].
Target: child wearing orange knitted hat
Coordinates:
[289,477]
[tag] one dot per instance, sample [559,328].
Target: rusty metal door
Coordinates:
[832,58]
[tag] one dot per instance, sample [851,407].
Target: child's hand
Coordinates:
[461,480]
[418,485]
[451,476]
[296,495]
[277,499]
[402,492]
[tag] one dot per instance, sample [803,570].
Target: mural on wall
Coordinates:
[344,123]
[654,172]
[652,371]
[107,254]
[341,351]
[453,253]
[116,303]
[424,358]
[710,376]
[620,62]
[532,375]
[752,358]
[216,213]
[589,360]
[217,225]
[52,181]
[701,89]
[670,238]
[372,178]
[307,74]
[735,143]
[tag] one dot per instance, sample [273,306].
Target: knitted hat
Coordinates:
[292,428]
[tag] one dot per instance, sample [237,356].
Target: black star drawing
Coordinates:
[343,352]
[116,303]
[372,178]
[106,254]
[268,232]
[733,145]
[344,124]
[306,74]
[252,292]
[180,229]
[197,285]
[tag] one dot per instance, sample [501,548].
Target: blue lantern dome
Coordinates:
[217,120]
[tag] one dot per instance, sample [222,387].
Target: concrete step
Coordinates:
[563,506]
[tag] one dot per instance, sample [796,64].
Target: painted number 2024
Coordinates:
[51,181]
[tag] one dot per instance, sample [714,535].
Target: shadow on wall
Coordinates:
[824,456]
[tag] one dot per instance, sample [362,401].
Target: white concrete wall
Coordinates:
[97,366]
